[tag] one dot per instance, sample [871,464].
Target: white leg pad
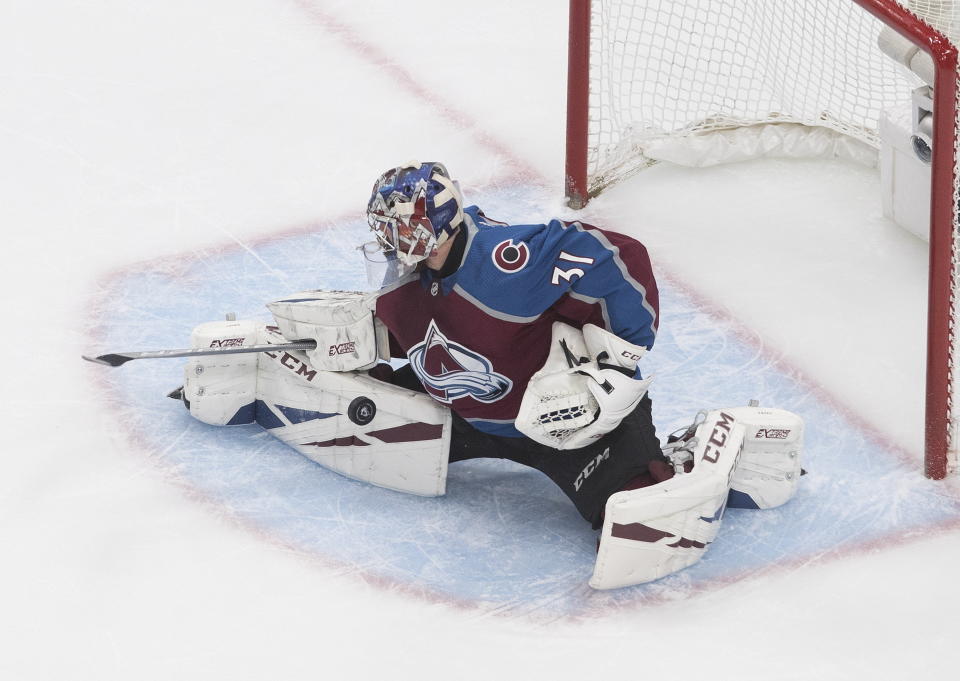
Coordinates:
[345,421]
[653,531]
[221,389]
[356,425]
[769,468]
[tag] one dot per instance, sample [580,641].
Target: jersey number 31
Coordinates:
[568,274]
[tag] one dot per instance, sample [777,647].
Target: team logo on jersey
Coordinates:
[510,257]
[450,371]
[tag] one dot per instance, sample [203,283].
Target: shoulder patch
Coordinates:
[510,257]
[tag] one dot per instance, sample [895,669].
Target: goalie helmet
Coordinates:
[413,209]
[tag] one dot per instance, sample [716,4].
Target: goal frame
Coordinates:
[938,395]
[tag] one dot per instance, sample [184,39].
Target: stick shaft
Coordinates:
[115,359]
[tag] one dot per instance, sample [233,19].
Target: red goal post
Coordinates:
[622,92]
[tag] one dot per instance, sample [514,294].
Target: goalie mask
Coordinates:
[412,210]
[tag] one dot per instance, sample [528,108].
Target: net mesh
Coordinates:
[669,69]
[676,68]
[943,15]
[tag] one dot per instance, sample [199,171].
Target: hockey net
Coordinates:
[644,76]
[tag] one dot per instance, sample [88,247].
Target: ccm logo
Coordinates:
[590,468]
[718,438]
[295,365]
[773,434]
[629,355]
[227,343]
[343,348]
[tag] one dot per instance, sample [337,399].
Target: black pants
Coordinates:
[587,476]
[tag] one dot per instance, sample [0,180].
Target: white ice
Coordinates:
[152,134]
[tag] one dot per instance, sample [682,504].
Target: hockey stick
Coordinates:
[115,359]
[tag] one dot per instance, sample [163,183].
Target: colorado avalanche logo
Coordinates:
[510,257]
[450,371]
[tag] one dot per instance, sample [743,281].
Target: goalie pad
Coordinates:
[348,336]
[769,469]
[218,389]
[574,400]
[653,531]
[345,421]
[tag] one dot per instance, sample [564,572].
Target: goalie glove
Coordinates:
[617,394]
[610,349]
[589,383]
[614,380]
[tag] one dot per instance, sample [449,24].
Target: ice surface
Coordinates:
[166,164]
[504,538]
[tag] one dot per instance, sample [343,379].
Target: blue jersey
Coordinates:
[475,337]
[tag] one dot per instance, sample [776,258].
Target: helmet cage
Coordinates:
[404,227]
[414,209]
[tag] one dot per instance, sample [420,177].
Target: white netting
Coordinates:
[678,69]
[943,15]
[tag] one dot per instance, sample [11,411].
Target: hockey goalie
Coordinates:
[522,342]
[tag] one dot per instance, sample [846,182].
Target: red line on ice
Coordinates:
[400,76]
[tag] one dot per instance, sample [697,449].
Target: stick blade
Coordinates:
[110,359]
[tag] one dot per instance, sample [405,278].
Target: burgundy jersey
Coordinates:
[475,337]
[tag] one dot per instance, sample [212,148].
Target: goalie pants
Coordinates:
[588,475]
